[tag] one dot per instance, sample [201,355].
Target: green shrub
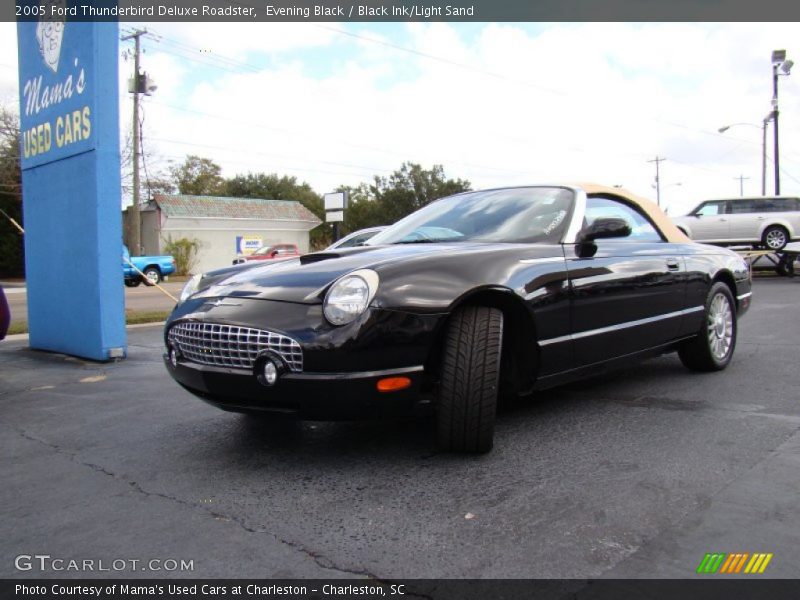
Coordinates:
[184,251]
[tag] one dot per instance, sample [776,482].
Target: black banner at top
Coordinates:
[401,10]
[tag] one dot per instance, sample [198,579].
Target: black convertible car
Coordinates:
[474,296]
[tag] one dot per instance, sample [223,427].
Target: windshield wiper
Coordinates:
[420,241]
[427,241]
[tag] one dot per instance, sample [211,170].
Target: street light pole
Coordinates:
[778,62]
[776,159]
[766,120]
[764,155]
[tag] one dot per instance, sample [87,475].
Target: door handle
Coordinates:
[673,264]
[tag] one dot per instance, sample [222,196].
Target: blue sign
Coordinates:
[69,120]
[57,91]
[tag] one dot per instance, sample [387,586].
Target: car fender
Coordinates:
[776,221]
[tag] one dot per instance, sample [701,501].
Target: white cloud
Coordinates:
[9,85]
[503,104]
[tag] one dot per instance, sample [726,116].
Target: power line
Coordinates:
[429,56]
[251,124]
[446,61]
[268,154]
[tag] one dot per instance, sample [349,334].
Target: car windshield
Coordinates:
[521,215]
[263,250]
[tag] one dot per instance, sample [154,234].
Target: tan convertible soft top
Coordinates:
[662,221]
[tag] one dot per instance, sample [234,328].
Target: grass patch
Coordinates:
[18,327]
[132,317]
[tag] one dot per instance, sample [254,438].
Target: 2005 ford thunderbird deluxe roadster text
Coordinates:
[485,293]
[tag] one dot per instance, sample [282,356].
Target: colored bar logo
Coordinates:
[741,562]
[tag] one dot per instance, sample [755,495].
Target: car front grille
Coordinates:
[231,346]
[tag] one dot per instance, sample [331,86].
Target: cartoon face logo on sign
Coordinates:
[49,34]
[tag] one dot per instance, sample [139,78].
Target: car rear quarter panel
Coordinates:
[705,264]
[789,220]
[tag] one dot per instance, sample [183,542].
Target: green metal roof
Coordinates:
[222,207]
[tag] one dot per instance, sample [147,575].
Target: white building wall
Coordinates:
[218,236]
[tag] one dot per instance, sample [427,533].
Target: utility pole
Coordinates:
[658,160]
[741,179]
[135,221]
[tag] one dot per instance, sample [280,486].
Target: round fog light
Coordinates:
[270,372]
[173,357]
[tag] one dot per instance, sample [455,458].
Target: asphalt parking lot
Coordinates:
[635,474]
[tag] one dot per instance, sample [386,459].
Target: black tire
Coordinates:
[712,348]
[775,238]
[468,386]
[152,276]
[133,282]
[785,266]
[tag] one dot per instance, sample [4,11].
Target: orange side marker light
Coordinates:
[393,384]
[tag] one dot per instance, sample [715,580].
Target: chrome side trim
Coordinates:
[549,259]
[356,374]
[743,296]
[620,326]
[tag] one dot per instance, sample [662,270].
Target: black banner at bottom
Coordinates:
[371,589]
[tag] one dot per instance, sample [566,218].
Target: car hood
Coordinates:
[307,278]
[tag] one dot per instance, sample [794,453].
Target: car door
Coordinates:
[711,222]
[745,221]
[630,294]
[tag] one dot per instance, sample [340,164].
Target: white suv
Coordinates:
[770,221]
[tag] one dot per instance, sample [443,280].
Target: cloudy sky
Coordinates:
[495,103]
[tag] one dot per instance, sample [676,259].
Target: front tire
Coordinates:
[712,348]
[133,282]
[468,385]
[775,238]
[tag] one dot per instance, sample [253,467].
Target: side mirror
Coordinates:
[274,253]
[604,228]
[599,229]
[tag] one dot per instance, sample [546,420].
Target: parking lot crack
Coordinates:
[320,559]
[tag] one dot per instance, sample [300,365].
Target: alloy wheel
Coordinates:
[720,327]
[775,239]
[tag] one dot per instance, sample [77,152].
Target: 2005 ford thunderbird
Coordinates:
[485,293]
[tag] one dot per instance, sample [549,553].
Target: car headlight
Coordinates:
[350,296]
[190,287]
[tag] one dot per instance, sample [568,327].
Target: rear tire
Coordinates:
[712,348]
[152,276]
[785,266]
[468,387]
[775,238]
[133,282]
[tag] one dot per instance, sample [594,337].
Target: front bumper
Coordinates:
[317,396]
